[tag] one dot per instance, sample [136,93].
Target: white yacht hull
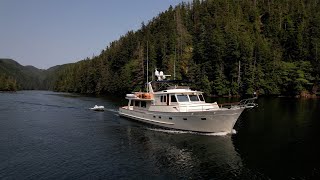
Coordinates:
[220,120]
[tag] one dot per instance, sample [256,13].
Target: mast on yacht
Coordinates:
[147,68]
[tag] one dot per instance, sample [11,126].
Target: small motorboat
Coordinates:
[97,108]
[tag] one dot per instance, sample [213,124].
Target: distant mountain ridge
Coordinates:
[15,76]
[26,77]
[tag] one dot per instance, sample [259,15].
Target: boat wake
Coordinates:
[170,131]
[111,110]
[47,105]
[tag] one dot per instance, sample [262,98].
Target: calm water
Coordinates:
[47,135]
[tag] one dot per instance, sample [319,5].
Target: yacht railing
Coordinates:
[192,108]
[246,103]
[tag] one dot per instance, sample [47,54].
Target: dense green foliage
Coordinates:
[23,77]
[14,76]
[7,83]
[224,47]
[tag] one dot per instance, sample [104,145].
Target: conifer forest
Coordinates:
[223,47]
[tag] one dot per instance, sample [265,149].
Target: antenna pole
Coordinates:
[317,52]
[147,68]
[174,63]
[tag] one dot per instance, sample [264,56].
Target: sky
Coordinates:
[45,33]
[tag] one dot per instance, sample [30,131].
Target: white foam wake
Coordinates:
[112,110]
[169,131]
[189,132]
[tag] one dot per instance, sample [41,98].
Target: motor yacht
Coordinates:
[179,107]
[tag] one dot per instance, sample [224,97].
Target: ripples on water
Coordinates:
[46,135]
[188,132]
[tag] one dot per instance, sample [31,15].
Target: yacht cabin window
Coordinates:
[193,97]
[182,98]
[173,98]
[143,104]
[163,98]
[201,97]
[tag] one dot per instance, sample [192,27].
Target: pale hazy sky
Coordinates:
[44,33]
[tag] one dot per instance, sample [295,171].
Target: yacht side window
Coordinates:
[201,97]
[183,98]
[143,104]
[193,98]
[163,99]
[173,98]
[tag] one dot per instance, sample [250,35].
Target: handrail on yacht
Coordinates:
[246,103]
[188,107]
[229,104]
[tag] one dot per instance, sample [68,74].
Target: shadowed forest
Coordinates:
[224,47]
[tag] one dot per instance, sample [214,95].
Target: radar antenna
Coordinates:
[160,75]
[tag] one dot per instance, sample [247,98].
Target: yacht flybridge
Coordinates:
[179,107]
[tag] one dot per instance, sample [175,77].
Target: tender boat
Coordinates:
[179,107]
[97,108]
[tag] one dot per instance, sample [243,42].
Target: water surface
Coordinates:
[47,135]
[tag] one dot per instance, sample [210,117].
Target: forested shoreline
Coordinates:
[14,76]
[7,83]
[224,47]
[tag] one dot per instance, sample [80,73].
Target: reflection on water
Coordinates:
[280,138]
[54,135]
[173,131]
[185,155]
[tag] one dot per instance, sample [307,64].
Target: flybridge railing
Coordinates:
[246,103]
[164,84]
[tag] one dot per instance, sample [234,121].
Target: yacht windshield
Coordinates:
[183,98]
[193,98]
[173,98]
[201,97]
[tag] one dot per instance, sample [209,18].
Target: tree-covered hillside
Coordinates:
[225,47]
[18,77]
[14,76]
[7,83]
